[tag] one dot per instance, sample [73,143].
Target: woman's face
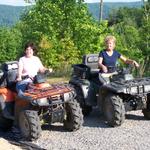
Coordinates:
[110,45]
[29,52]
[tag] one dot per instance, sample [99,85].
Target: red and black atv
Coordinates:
[42,102]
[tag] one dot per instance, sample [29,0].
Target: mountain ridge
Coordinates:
[10,15]
[109,6]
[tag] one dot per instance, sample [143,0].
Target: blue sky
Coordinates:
[22,3]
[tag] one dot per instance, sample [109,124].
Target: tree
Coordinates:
[67,29]
[145,38]
[132,26]
[10,44]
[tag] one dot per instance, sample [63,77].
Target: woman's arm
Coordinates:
[101,66]
[20,69]
[129,61]
[42,69]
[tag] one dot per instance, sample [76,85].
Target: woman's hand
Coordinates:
[19,79]
[50,70]
[104,69]
[46,70]
[135,64]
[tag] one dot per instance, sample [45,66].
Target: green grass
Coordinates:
[53,80]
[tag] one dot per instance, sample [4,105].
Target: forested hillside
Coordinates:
[108,7]
[9,15]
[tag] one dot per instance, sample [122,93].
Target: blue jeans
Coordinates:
[22,85]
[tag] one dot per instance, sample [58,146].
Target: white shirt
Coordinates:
[31,65]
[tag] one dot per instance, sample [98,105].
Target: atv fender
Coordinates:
[6,108]
[88,89]
[8,95]
[84,86]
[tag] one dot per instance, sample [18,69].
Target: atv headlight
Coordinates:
[41,102]
[134,90]
[146,88]
[69,95]
[66,96]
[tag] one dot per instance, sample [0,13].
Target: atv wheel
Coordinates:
[29,124]
[5,124]
[86,109]
[114,110]
[73,118]
[146,112]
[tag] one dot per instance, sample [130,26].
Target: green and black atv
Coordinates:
[114,94]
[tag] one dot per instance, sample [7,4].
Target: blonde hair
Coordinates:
[110,37]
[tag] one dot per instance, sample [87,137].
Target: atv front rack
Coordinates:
[51,91]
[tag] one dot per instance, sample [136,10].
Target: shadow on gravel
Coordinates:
[15,138]
[95,119]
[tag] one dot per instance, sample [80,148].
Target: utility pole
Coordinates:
[100,11]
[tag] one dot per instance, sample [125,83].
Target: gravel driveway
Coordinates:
[134,134]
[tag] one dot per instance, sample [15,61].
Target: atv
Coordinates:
[41,102]
[114,94]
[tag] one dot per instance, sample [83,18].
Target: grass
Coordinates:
[60,76]
[53,80]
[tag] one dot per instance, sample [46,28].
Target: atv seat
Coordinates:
[91,60]
[10,70]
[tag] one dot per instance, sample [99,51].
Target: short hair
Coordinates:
[30,44]
[108,38]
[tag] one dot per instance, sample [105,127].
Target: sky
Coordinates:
[13,2]
[92,1]
[22,3]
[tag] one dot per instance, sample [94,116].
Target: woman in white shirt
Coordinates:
[29,65]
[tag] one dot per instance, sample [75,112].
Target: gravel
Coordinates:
[96,135]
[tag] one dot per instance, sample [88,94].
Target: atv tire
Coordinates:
[86,109]
[5,124]
[146,112]
[73,118]
[114,110]
[29,124]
